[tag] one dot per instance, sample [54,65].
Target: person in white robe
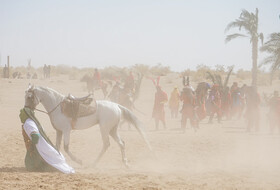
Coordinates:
[41,154]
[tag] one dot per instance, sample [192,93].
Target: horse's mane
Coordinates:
[52,91]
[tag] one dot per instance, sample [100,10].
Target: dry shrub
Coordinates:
[201,72]
[190,73]
[111,73]
[263,78]
[187,72]
[222,70]
[73,75]
[274,76]
[60,70]
[1,72]
[160,70]
[73,72]
[22,70]
[141,68]
[171,78]
[243,75]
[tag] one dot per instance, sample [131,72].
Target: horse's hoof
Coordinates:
[127,166]
[125,162]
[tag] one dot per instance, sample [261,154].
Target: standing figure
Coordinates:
[49,72]
[188,110]
[274,112]
[96,79]
[45,71]
[174,102]
[252,113]
[214,102]
[236,102]
[158,110]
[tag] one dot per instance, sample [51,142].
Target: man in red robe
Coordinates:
[188,109]
[158,111]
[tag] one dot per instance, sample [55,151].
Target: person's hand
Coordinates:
[35,138]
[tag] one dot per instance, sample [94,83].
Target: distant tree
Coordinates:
[249,22]
[220,69]
[203,67]
[272,47]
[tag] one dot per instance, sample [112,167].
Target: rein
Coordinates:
[54,108]
[50,111]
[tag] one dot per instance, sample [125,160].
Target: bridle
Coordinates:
[34,96]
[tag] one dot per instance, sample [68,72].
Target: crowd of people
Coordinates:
[215,101]
[212,100]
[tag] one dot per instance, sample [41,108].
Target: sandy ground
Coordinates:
[217,156]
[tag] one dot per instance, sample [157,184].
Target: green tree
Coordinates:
[248,22]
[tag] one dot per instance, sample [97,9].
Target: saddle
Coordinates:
[84,100]
[74,107]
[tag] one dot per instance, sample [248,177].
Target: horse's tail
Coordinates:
[130,117]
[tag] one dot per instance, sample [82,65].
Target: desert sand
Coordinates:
[217,156]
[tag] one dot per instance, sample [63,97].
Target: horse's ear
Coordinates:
[30,87]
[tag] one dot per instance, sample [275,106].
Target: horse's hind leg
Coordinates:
[58,139]
[115,135]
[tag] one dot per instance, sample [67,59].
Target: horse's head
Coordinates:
[31,100]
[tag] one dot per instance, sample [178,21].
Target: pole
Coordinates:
[8,65]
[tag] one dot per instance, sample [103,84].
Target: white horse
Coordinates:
[107,115]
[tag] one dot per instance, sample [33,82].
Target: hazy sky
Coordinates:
[176,33]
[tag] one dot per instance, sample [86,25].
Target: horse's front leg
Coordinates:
[106,144]
[66,147]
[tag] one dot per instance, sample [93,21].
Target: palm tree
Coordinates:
[272,47]
[248,22]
